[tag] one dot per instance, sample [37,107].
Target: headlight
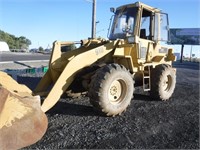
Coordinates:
[131,39]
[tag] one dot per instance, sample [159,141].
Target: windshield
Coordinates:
[123,23]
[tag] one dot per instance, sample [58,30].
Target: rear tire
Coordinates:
[163,82]
[111,89]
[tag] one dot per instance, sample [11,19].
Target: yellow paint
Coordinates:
[13,109]
[11,85]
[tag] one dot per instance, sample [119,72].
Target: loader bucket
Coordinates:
[22,122]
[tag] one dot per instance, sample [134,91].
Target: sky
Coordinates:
[44,21]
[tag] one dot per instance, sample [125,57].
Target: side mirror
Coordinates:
[112,9]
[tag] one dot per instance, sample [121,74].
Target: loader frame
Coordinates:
[136,53]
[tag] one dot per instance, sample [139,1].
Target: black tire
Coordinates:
[75,90]
[111,89]
[163,82]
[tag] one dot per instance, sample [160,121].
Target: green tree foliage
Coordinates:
[15,42]
[41,49]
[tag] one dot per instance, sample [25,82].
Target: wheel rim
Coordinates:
[117,92]
[167,83]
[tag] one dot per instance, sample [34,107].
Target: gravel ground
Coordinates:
[147,124]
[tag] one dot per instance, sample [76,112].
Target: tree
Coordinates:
[15,42]
[41,49]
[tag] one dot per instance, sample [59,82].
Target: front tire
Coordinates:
[111,89]
[163,82]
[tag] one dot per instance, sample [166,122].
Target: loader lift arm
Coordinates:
[73,65]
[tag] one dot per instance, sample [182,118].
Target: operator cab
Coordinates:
[123,23]
[138,20]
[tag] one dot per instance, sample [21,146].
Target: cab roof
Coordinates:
[141,5]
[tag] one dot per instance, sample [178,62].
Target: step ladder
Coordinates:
[147,79]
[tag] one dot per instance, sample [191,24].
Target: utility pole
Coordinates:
[182,47]
[94,20]
[191,54]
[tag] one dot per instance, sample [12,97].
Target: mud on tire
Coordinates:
[111,89]
[163,81]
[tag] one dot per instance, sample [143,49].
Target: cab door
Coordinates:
[161,31]
[146,36]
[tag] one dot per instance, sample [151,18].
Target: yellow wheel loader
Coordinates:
[109,69]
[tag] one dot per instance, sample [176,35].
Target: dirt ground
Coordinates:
[147,124]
